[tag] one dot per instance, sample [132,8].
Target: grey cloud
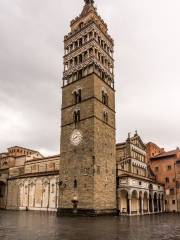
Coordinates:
[147,51]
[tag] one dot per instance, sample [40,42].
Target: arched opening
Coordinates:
[134,202]
[141,202]
[124,202]
[159,203]
[150,204]
[145,202]
[2,195]
[151,198]
[155,202]
[162,202]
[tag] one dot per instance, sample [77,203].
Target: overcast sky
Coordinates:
[147,73]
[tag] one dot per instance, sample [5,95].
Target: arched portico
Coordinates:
[139,201]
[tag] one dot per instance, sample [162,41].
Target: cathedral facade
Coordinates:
[92,175]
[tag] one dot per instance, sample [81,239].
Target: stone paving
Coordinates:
[46,226]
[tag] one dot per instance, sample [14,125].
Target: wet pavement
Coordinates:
[45,226]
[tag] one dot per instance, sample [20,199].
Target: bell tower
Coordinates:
[88,164]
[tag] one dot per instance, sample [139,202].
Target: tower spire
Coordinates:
[89,2]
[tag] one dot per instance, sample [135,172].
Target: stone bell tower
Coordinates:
[88,163]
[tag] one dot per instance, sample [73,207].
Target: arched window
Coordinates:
[105,98]
[77,96]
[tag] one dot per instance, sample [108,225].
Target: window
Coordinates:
[140,183]
[76,44]
[156,169]
[52,187]
[80,58]
[77,116]
[85,38]
[85,55]
[5,163]
[80,74]
[105,117]
[75,184]
[90,35]
[77,96]
[98,170]
[80,42]
[86,171]
[173,202]
[75,60]
[168,168]
[122,166]
[167,180]
[103,76]
[71,63]
[105,98]
[90,51]
[172,191]
[99,40]
[81,25]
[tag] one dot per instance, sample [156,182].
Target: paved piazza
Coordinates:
[46,226]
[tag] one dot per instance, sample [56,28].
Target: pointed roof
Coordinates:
[88,7]
[90,2]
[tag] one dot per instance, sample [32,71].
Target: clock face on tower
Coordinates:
[76,137]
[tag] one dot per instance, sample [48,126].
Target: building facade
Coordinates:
[137,189]
[178,184]
[166,168]
[152,150]
[28,181]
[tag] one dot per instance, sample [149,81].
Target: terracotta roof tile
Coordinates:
[166,154]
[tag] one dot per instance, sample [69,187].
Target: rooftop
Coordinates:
[166,154]
[22,148]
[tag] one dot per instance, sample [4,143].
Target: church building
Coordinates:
[92,175]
